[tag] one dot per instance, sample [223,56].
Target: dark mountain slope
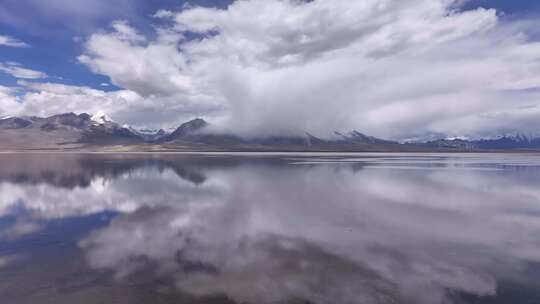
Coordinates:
[61,131]
[80,132]
[517,142]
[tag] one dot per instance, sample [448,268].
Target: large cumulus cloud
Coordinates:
[391,68]
[396,69]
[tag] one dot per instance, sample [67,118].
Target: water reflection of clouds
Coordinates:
[124,194]
[324,233]
[8,260]
[416,232]
[22,226]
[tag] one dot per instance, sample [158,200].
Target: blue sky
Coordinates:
[508,6]
[53,33]
[390,68]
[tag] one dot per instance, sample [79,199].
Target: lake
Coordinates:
[269,228]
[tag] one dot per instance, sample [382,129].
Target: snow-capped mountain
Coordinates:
[62,130]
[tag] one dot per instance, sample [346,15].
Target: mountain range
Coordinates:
[70,131]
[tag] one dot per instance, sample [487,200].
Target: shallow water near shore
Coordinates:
[269,228]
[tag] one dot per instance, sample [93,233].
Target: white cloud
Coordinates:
[389,68]
[154,69]
[125,106]
[125,32]
[46,99]
[11,42]
[14,69]
[164,14]
[9,103]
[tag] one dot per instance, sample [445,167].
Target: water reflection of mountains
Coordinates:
[371,229]
[71,171]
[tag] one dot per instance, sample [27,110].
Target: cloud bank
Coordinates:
[395,69]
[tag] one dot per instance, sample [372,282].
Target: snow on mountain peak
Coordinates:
[101,118]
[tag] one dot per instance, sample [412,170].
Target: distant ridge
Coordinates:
[517,142]
[61,131]
[70,131]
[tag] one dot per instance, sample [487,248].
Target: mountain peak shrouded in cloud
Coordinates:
[85,132]
[189,127]
[393,69]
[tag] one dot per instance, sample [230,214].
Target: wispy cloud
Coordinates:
[12,42]
[16,70]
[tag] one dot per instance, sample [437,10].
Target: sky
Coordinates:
[412,69]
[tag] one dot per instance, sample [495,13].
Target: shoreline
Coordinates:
[272,153]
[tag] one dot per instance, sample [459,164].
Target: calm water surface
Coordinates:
[365,228]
